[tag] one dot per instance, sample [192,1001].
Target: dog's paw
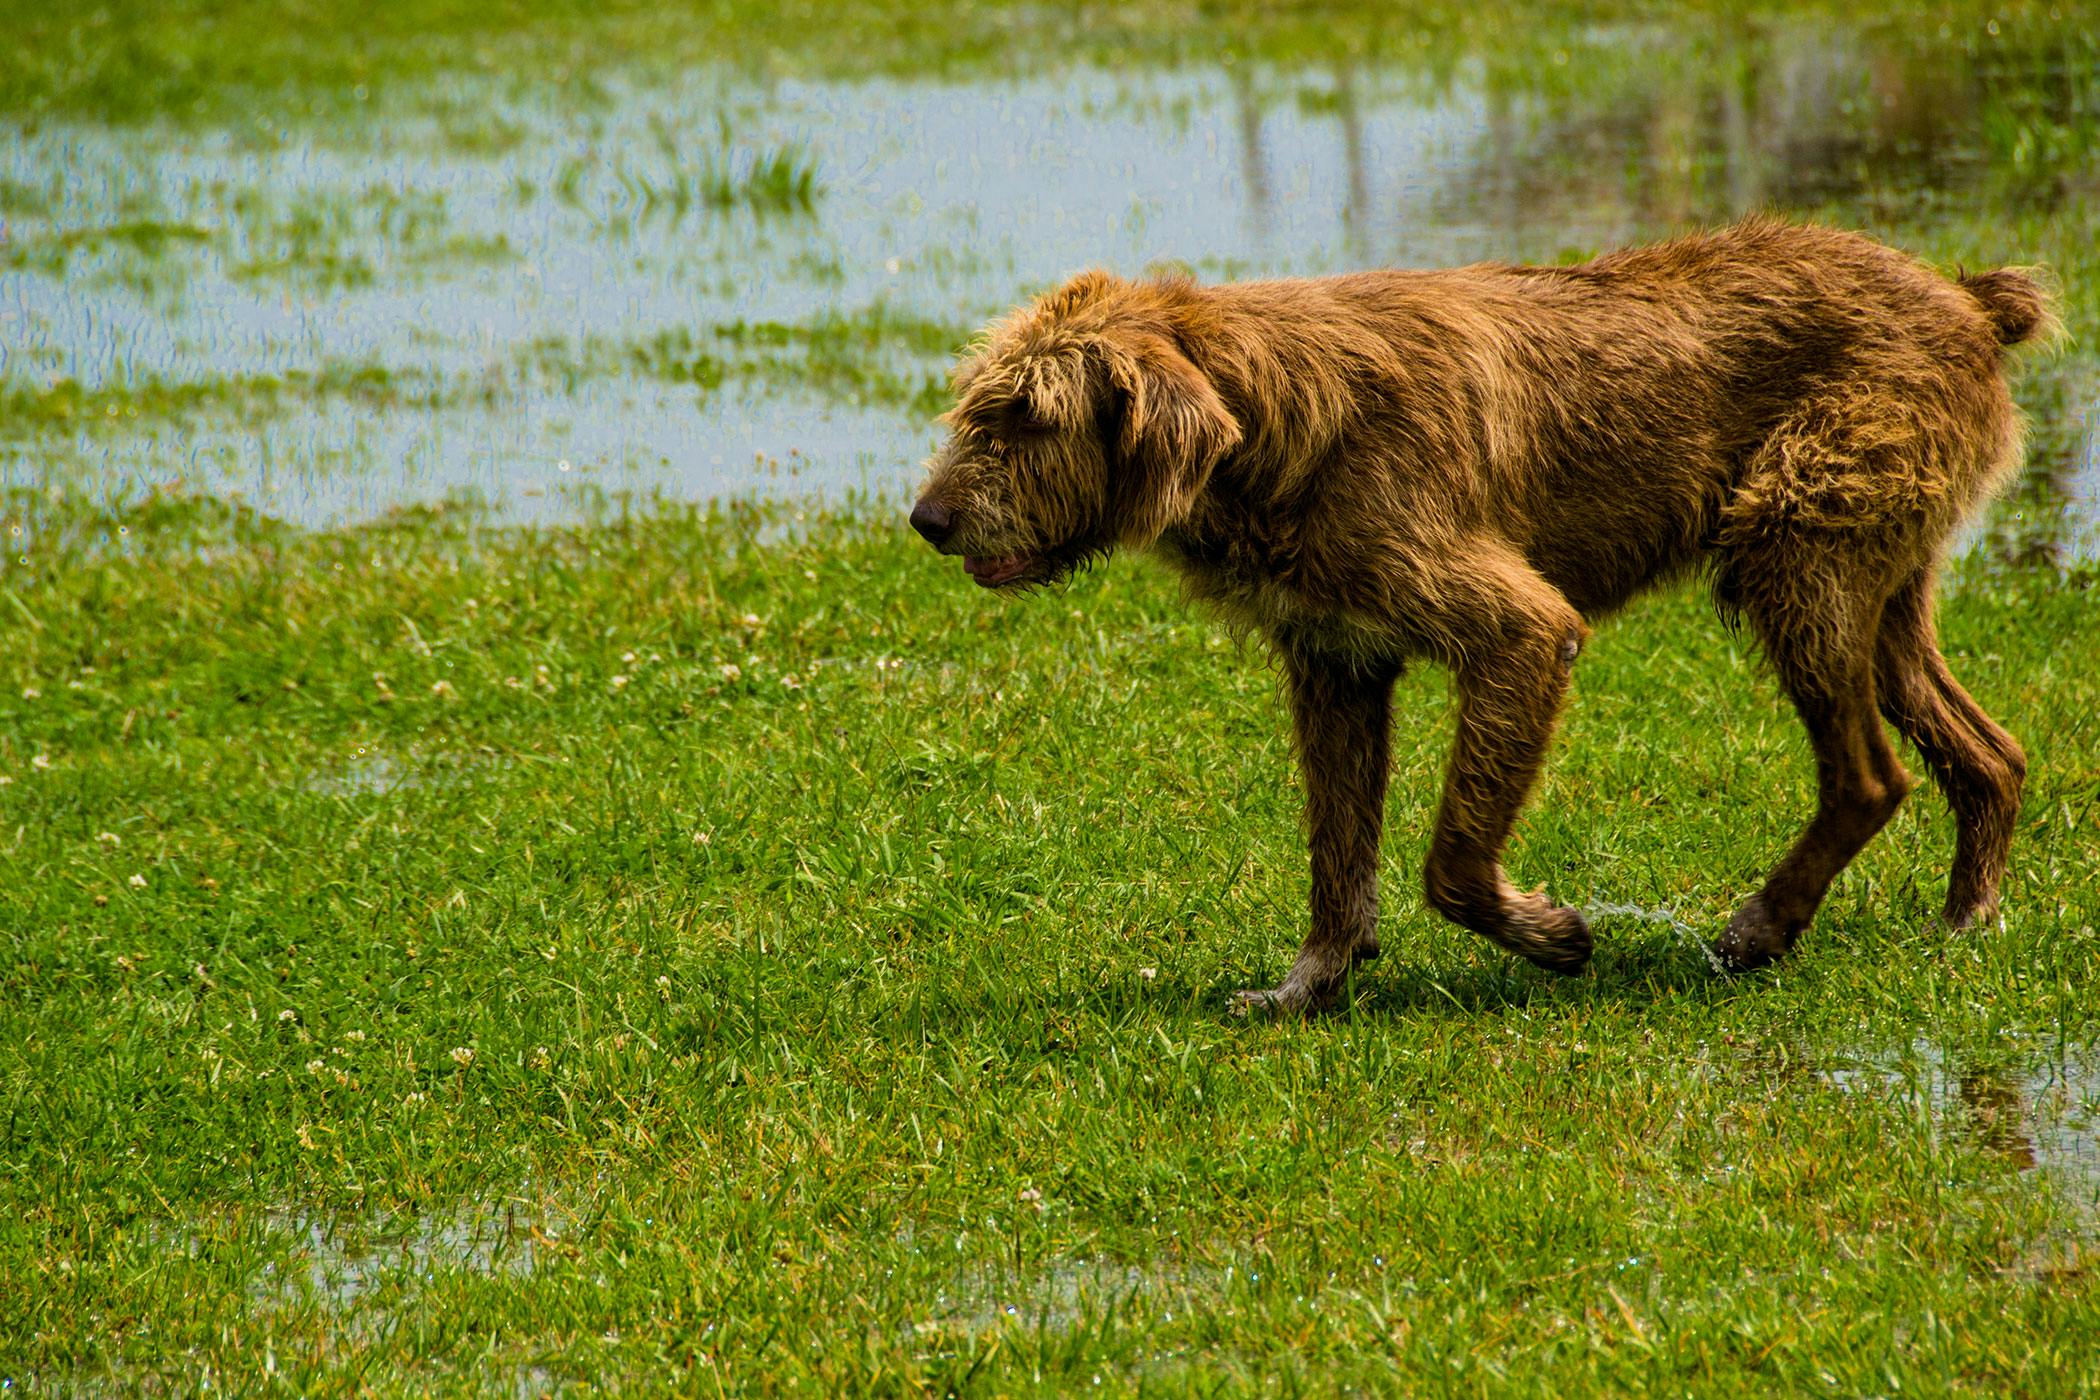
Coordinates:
[1287,1002]
[1550,935]
[1753,939]
[1980,914]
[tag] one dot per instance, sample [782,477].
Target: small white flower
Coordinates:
[443,690]
[542,1057]
[627,658]
[752,620]
[30,692]
[138,882]
[790,683]
[731,671]
[619,682]
[288,1015]
[316,1066]
[413,1099]
[462,1055]
[702,838]
[110,838]
[513,683]
[42,760]
[1148,973]
[353,1035]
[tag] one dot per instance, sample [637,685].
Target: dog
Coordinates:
[1469,465]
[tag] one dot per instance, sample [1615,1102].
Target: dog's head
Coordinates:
[1079,426]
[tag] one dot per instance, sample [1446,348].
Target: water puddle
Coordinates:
[1065,1294]
[2039,1115]
[669,282]
[374,772]
[338,1261]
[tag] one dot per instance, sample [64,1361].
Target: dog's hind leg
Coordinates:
[1816,611]
[1512,640]
[1342,714]
[1977,765]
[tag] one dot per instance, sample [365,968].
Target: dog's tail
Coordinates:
[2018,305]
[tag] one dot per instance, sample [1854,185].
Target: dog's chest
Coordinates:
[1258,586]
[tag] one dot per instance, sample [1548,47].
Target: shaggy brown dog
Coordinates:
[1466,464]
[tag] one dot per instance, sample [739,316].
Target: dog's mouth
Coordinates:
[997,572]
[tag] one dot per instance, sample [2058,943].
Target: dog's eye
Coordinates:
[1028,424]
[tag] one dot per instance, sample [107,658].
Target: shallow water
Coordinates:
[485,308]
[2039,1111]
[336,1261]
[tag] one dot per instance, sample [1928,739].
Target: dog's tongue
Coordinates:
[990,573]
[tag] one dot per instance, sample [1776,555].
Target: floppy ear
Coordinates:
[1174,431]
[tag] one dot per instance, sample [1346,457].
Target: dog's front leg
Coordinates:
[1510,687]
[1342,713]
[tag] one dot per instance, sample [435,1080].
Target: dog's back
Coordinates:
[1619,419]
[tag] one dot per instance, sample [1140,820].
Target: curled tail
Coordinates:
[2015,302]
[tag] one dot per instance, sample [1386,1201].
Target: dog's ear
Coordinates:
[1170,432]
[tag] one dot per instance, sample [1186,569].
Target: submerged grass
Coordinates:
[876,355]
[813,972]
[719,949]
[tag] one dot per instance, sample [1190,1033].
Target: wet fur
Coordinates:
[1468,465]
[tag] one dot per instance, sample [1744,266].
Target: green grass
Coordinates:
[875,355]
[721,951]
[703,949]
[249,63]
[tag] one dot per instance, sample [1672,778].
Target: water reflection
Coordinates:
[2035,1114]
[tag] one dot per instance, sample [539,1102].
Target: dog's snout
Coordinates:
[933,520]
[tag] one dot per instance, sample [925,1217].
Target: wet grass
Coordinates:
[875,355]
[64,404]
[718,949]
[53,253]
[250,63]
[812,972]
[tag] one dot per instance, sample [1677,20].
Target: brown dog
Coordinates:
[1466,464]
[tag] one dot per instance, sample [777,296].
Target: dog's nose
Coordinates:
[932,520]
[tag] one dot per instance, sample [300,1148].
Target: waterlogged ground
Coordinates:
[711,281]
[475,918]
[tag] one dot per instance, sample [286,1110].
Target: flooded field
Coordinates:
[520,875]
[698,283]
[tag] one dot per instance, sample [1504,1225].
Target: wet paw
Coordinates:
[1981,913]
[1550,935]
[1753,939]
[1283,1003]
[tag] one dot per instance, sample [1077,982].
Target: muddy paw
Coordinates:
[1752,939]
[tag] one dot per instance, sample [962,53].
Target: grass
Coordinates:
[65,404]
[249,63]
[721,947]
[876,354]
[873,355]
[719,950]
